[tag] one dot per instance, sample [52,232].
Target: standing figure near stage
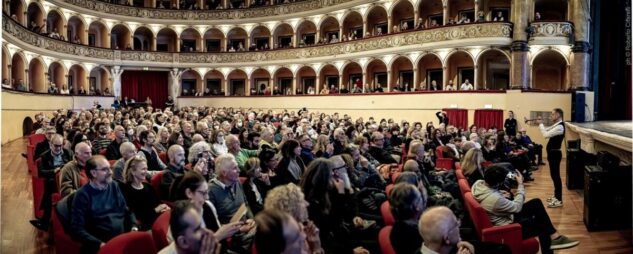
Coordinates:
[555,134]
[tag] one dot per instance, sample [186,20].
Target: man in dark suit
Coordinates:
[41,147]
[52,161]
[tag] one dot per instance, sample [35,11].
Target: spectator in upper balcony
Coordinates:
[537,16]
[420,24]
[52,89]
[499,17]
[450,22]
[81,91]
[450,86]
[434,86]
[325,89]
[463,20]
[434,23]
[466,85]
[54,34]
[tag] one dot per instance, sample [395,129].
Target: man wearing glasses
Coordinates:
[52,161]
[41,147]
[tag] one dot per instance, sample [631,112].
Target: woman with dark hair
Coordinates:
[406,204]
[518,158]
[175,139]
[256,185]
[291,167]
[78,138]
[268,161]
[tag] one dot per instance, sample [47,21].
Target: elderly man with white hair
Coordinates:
[127,150]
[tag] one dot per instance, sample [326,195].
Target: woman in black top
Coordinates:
[291,167]
[256,185]
[140,197]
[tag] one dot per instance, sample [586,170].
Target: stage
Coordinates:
[612,136]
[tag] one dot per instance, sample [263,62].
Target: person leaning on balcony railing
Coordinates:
[481,17]
[499,17]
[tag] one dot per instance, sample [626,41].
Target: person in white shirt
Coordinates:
[466,85]
[555,135]
[450,86]
[310,90]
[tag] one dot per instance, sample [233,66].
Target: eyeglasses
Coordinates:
[341,167]
[203,193]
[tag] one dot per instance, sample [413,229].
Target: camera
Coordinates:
[511,180]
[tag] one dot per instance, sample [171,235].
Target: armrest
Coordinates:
[510,235]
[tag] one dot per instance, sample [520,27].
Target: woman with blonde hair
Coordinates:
[471,165]
[139,195]
[323,147]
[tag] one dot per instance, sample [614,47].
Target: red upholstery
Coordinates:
[34,139]
[163,157]
[242,179]
[155,182]
[112,162]
[438,152]
[486,164]
[459,174]
[385,241]
[458,165]
[103,152]
[385,210]
[30,163]
[463,186]
[159,230]
[63,242]
[444,163]
[38,190]
[130,243]
[394,176]
[403,156]
[388,189]
[508,234]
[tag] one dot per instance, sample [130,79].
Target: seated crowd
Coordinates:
[281,182]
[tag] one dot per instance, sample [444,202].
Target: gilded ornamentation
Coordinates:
[551,29]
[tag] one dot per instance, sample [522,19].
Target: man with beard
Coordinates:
[175,168]
[99,212]
[101,141]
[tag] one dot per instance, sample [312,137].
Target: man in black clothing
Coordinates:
[99,211]
[113,150]
[406,204]
[169,103]
[252,141]
[52,161]
[175,168]
[41,147]
[555,134]
[510,124]
[376,149]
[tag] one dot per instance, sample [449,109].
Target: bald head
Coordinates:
[176,155]
[128,150]
[438,226]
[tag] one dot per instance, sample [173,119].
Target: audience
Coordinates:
[140,196]
[187,232]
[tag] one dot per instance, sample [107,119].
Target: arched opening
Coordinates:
[16,7]
[494,70]
[549,71]
[37,77]
[306,80]
[496,9]
[551,10]
[236,39]
[460,69]
[55,24]
[98,35]
[100,80]
[190,40]
[283,80]
[353,26]
[237,82]
[260,38]
[402,16]
[166,40]
[143,39]
[76,31]
[306,33]
[27,126]
[282,36]
[35,16]
[77,79]
[352,72]
[18,71]
[120,37]
[402,73]
[328,77]
[431,13]
[213,81]
[430,73]
[377,21]
[330,30]
[214,40]
[461,12]
[260,79]
[377,75]
[191,83]
[57,75]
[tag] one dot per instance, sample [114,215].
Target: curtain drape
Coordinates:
[139,85]
[457,117]
[488,118]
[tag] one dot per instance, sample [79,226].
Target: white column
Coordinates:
[174,88]
[476,77]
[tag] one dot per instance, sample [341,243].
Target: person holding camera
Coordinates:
[504,209]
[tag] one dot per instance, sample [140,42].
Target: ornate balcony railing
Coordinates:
[551,29]
[225,14]
[489,33]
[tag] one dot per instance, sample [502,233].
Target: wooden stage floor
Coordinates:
[18,236]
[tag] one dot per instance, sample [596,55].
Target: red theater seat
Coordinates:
[130,243]
[385,210]
[159,230]
[385,241]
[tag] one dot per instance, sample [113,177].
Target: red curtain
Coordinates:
[457,117]
[488,118]
[139,85]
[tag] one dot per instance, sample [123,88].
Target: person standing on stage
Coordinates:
[555,134]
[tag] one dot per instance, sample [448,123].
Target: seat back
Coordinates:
[155,182]
[463,186]
[439,152]
[477,213]
[34,139]
[486,164]
[385,241]
[103,152]
[130,243]
[458,165]
[30,163]
[459,174]
[385,211]
[394,176]
[159,230]
[444,163]
[63,242]
[112,162]
[163,157]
